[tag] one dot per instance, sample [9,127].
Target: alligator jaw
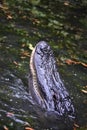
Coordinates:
[47,88]
[34,87]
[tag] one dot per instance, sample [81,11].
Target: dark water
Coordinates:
[16,108]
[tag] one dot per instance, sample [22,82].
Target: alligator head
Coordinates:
[46,87]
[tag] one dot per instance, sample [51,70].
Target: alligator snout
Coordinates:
[42,48]
[47,88]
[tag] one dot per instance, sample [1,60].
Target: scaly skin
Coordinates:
[46,88]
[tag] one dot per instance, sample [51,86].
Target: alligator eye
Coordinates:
[54,97]
[44,50]
[70,111]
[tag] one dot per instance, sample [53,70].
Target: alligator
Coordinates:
[45,84]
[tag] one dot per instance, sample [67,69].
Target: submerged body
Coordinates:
[46,87]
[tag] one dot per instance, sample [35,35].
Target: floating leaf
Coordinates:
[5,128]
[69,62]
[66,3]
[9,17]
[84,91]
[31,47]
[25,54]
[28,128]
[75,126]
[15,63]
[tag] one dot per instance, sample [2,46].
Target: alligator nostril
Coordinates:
[54,97]
[70,111]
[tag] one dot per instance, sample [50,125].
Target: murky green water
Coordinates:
[16,107]
[58,25]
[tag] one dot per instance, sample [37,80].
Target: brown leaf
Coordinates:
[84,91]
[84,64]
[36,21]
[15,63]
[66,3]
[9,17]
[69,62]
[28,128]
[5,128]
[76,125]
[24,17]
[3,7]
[25,53]
[23,45]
